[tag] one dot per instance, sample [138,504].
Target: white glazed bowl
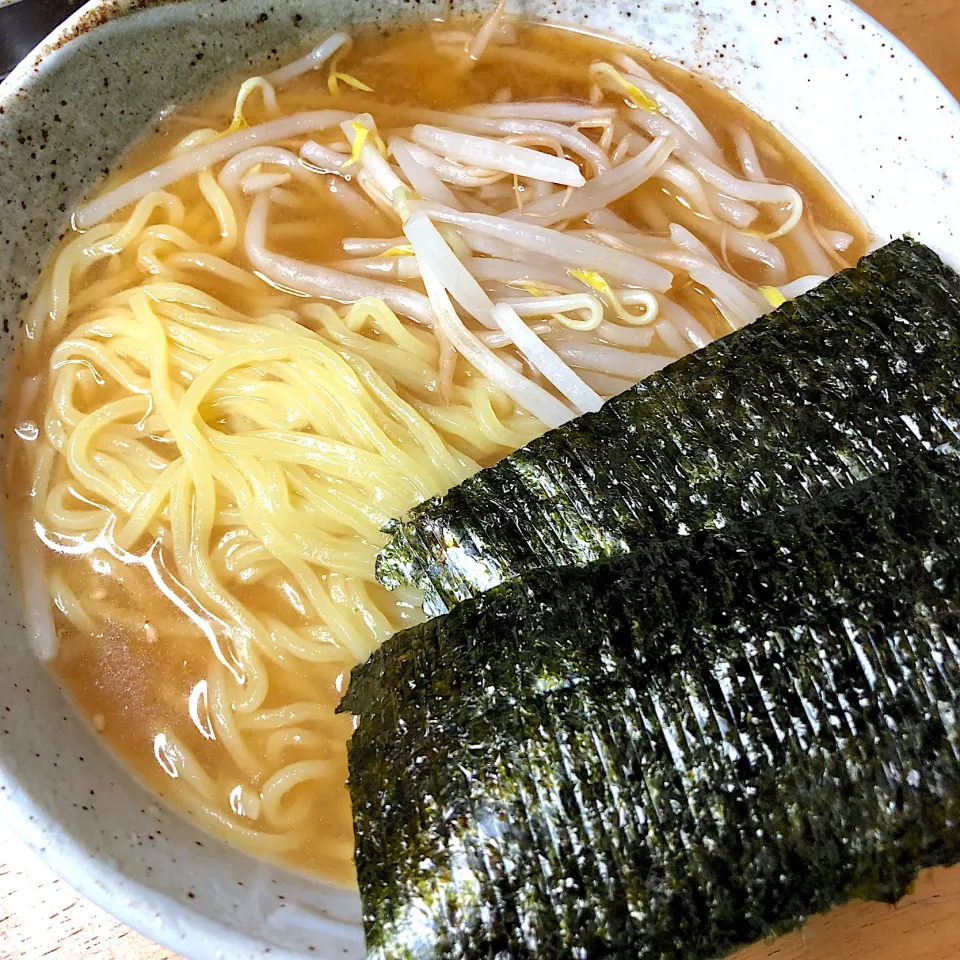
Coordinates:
[838,85]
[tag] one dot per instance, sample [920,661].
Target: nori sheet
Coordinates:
[673,752]
[831,387]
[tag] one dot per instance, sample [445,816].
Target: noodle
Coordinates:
[173,367]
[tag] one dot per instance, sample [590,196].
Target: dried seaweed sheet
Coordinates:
[831,387]
[676,751]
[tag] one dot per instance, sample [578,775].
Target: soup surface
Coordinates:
[208,443]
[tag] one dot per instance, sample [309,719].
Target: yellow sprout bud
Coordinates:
[246,88]
[335,78]
[595,281]
[604,71]
[773,295]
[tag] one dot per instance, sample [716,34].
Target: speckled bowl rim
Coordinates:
[137,904]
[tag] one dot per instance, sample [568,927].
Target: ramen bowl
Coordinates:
[849,95]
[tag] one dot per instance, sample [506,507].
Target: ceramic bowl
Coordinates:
[839,86]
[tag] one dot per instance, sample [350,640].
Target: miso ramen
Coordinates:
[319,297]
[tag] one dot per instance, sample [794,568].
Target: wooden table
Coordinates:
[40,916]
